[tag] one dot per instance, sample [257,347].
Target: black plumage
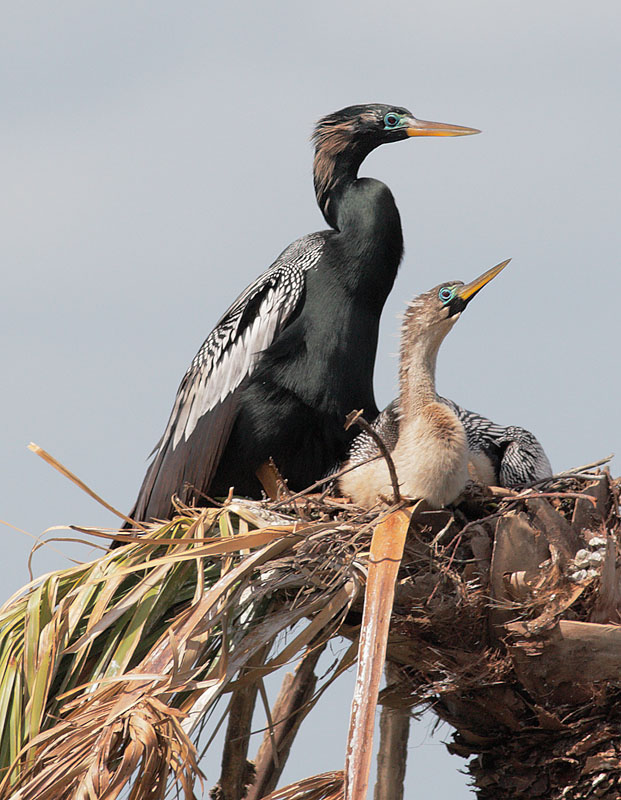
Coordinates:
[515,454]
[295,352]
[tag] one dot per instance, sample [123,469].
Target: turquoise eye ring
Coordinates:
[445,294]
[391,120]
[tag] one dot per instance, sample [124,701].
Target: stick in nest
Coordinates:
[355,417]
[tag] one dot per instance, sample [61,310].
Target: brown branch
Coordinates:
[392,755]
[237,772]
[575,472]
[332,477]
[393,748]
[271,480]
[384,560]
[292,705]
[355,417]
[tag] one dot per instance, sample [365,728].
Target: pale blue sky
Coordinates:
[156,159]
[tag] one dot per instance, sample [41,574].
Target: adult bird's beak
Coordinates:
[421,127]
[467,292]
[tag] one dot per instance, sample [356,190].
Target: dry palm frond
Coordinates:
[385,558]
[327,786]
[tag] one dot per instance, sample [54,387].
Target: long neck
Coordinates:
[369,244]
[417,372]
[365,253]
[337,161]
[361,210]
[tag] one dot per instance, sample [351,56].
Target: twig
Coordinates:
[575,472]
[74,478]
[592,465]
[333,476]
[270,724]
[438,537]
[355,417]
[573,495]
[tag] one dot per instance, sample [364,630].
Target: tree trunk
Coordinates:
[393,749]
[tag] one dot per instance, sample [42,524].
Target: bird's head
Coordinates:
[345,138]
[435,312]
[368,126]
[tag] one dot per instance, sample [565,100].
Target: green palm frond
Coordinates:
[109,667]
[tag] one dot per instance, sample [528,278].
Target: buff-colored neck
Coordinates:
[417,372]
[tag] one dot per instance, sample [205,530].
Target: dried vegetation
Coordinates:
[505,622]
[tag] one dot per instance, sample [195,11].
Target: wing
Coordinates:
[386,424]
[524,459]
[482,434]
[515,453]
[206,405]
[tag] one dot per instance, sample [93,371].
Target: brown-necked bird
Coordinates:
[436,445]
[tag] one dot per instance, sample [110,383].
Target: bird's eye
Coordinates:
[445,294]
[391,120]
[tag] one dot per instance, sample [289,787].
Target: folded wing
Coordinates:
[187,456]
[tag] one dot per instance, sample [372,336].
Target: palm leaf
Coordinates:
[327,786]
[131,651]
[384,561]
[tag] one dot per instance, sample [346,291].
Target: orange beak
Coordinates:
[421,127]
[468,291]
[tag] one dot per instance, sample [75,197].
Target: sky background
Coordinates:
[156,159]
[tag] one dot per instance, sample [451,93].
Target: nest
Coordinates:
[505,623]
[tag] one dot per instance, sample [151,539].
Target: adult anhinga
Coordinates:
[436,445]
[295,352]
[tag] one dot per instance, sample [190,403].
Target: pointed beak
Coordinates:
[467,292]
[421,127]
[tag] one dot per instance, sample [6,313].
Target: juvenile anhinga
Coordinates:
[295,352]
[436,445]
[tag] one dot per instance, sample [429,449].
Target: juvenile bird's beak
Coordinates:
[467,292]
[421,127]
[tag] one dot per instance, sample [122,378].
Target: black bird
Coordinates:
[295,352]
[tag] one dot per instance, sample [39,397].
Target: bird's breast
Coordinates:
[430,457]
[326,355]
